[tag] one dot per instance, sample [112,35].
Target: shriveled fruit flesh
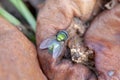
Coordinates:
[18,57]
[54,16]
[58,68]
[103,36]
[79,52]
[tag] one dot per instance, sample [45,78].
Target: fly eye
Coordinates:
[62,35]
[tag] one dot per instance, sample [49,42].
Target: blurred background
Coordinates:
[22,14]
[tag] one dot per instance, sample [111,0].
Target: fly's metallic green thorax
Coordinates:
[62,36]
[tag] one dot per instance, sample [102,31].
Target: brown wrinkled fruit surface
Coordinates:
[18,58]
[104,37]
[57,15]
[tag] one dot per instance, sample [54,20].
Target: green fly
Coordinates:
[55,44]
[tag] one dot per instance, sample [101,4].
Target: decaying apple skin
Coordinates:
[18,56]
[103,36]
[54,16]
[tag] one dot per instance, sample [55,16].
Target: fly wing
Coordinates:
[58,50]
[47,42]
